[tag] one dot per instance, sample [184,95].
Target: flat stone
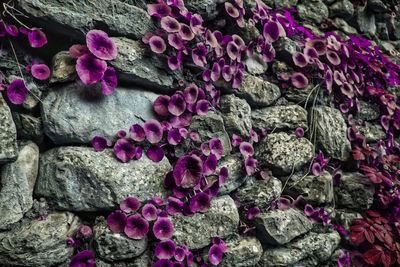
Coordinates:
[279,117]
[255,65]
[39,243]
[81,179]
[237,174]
[62,67]
[134,65]
[8,134]
[116,246]
[259,193]
[243,251]
[279,227]
[372,132]
[311,250]
[198,231]
[282,152]
[29,127]
[75,16]
[332,132]
[344,26]
[343,9]
[18,179]
[75,113]
[257,92]
[313,11]
[236,114]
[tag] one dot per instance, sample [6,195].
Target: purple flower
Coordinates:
[121,133]
[117,221]
[194,136]
[153,131]
[179,254]
[130,204]
[163,263]
[284,203]
[299,59]
[174,137]
[310,53]
[138,152]
[12,30]
[149,212]
[186,32]
[175,40]
[316,169]
[246,149]
[174,62]
[83,259]
[268,52]
[271,31]
[202,107]
[100,45]
[174,206]
[223,175]
[253,212]
[40,71]
[189,258]
[70,241]
[37,38]
[200,202]
[233,50]
[344,259]
[165,249]
[236,140]
[308,209]
[216,147]
[205,149]
[90,69]
[187,171]
[155,153]
[318,45]
[158,10]
[183,132]
[328,80]
[299,132]
[181,121]
[191,93]
[231,10]
[137,133]
[85,231]
[17,91]
[170,24]
[332,57]
[163,228]
[347,90]
[237,79]
[157,44]
[76,51]
[160,105]
[99,143]
[250,165]
[136,227]
[299,80]
[215,254]
[124,150]
[109,81]
[210,165]
[177,104]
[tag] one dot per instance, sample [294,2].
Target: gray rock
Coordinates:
[343,9]
[236,114]
[116,246]
[282,152]
[311,250]
[257,92]
[8,134]
[81,16]
[285,48]
[255,64]
[62,67]
[206,8]
[248,32]
[311,11]
[210,126]
[17,181]
[344,26]
[259,193]
[365,21]
[279,117]
[382,31]
[345,218]
[198,231]
[355,191]
[377,6]
[133,65]
[393,27]
[75,113]
[29,127]
[368,112]
[285,3]
[143,260]
[332,132]
[237,174]
[39,243]
[243,251]
[372,132]
[279,227]
[81,179]
[300,96]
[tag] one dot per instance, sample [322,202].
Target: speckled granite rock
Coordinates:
[236,114]
[311,11]
[372,132]
[243,251]
[63,67]
[29,127]
[279,117]
[237,174]
[8,134]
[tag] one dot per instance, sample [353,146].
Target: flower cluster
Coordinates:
[315,215]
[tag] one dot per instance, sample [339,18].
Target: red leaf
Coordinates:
[357,237]
[370,236]
[373,256]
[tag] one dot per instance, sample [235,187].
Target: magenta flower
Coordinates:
[130,204]
[189,258]
[200,202]
[174,137]
[174,206]
[155,153]
[121,133]
[299,132]
[160,105]
[177,104]
[136,227]
[153,131]
[216,147]
[223,175]
[328,80]
[253,212]
[158,10]
[170,24]
[85,231]
[175,40]
[271,31]
[76,51]
[181,121]
[236,140]
[231,10]
[205,149]
[299,59]
[163,263]
[202,107]
[215,254]
[332,57]
[163,228]
[210,165]
[124,150]
[308,210]
[17,91]
[187,171]
[347,90]
[246,149]
[138,152]
[90,69]
[183,132]
[310,53]
[12,30]
[109,81]
[100,45]
[299,80]
[149,212]
[191,93]
[186,32]
[117,221]
[83,259]
[233,50]
[99,143]
[165,249]
[211,40]
[37,38]
[179,254]
[316,169]
[157,44]
[318,45]
[250,165]
[137,133]
[40,71]
[194,136]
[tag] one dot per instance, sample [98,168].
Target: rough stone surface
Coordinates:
[344,26]
[236,114]
[355,191]
[365,21]
[259,192]
[282,152]
[285,3]
[116,246]
[197,231]
[345,218]
[255,64]
[279,117]
[237,174]
[311,250]
[331,132]
[285,48]
[17,181]
[8,134]
[343,9]
[313,11]
[63,67]
[39,243]
[372,132]
[133,65]
[367,112]
[300,96]
[280,227]
[146,259]
[75,113]
[206,8]
[81,179]
[257,92]
[210,126]
[243,251]
[29,127]
[83,16]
